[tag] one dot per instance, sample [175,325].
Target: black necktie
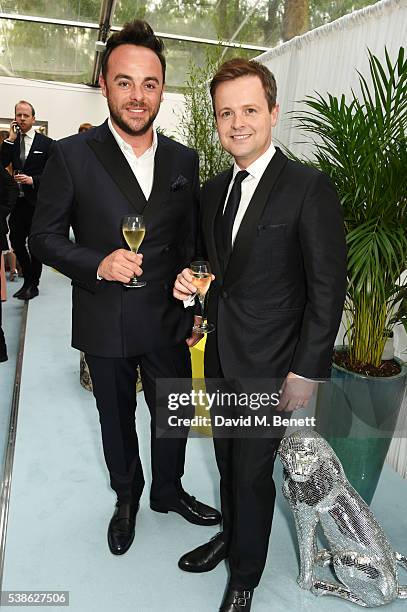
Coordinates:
[22,150]
[230,211]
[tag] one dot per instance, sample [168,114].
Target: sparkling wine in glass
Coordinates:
[202,278]
[133,229]
[16,172]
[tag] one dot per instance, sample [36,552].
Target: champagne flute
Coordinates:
[133,229]
[202,278]
[19,185]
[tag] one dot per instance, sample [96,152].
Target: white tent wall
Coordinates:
[327,60]
[66,106]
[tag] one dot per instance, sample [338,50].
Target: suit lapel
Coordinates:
[112,159]
[160,191]
[247,230]
[16,156]
[214,201]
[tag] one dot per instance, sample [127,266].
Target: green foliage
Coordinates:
[361,145]
[197,127]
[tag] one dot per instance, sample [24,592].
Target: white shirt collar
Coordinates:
[30,134]
[257,168]
[128,149]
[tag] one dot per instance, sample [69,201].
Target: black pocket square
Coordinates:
[180,183]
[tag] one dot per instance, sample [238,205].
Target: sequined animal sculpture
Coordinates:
[318,492]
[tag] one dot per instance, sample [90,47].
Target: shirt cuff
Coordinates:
[189,302]
[305,378]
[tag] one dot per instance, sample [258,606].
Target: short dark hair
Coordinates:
[239,67]
[25,102]
[138,33]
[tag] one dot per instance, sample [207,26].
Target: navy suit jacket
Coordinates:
[34,164]
[278,305]
[89,185]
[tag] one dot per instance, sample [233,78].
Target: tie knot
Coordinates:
[240,176]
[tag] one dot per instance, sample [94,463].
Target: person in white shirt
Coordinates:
[274,237]
[118,169]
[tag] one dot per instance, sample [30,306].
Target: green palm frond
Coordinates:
[360,142]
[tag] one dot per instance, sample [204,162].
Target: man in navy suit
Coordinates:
[273,233]
[94,179]
[27,151]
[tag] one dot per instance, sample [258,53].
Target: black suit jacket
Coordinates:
[278,306]
[34,163]
[89,185]
[8,195]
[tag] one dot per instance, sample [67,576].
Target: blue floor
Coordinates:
[61,502]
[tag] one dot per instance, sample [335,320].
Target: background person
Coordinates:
[84,127]
[27,151]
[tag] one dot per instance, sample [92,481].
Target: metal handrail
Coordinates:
[11,440]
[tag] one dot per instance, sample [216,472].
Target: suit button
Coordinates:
[225,295]
[166,249]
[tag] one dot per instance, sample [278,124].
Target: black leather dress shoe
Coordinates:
[29,294]
[191,509]
[206,557]
[120,534]
[21,291]
[236,600]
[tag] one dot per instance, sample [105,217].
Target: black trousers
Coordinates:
[114,387]
[248,496]
[20,226]
[247,488]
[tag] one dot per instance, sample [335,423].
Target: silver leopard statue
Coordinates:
[318,492]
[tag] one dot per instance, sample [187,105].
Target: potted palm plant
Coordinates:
[360,142]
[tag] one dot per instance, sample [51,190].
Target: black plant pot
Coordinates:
[357,415]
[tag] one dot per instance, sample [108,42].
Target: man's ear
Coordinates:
[102,84]
[274,115]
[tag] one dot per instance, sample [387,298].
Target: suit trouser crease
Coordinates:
[114,387]
[247,500]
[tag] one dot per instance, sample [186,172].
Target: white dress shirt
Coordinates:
[28,141]
[143,166]
[249,185]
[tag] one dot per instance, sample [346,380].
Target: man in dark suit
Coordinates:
[27,151]
[123,167]
[273,233]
